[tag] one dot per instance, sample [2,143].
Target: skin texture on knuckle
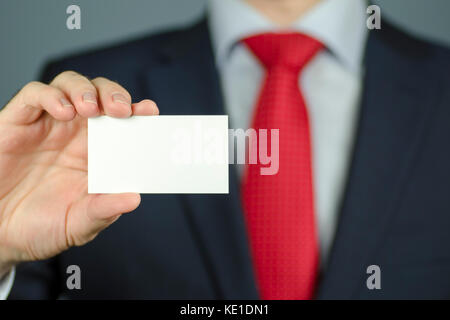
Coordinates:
[68,73]
[64,76]
[29,89]
[110,86]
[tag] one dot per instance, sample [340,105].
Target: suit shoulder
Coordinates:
[441,59]
[428,61]
[425,52]
[126,55]
[438,63]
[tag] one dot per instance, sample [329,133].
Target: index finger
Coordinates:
[34,98]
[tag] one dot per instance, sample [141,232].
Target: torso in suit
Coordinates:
[395,212]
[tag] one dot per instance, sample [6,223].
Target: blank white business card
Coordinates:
[158,154]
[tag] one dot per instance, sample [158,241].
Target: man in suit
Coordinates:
[368,110]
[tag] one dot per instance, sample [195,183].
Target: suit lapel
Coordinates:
[184,81]
[394,117]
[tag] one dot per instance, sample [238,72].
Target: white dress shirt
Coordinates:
[331,85]
[6,284]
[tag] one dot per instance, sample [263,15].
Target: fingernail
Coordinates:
[90,97]
[118,97]
[65,102]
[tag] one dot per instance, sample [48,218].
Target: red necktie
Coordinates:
[279,209]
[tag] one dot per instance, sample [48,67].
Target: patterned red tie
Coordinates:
[279,208]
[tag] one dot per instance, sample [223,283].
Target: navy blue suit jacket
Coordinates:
[395,212]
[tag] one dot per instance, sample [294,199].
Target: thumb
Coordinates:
[100,211]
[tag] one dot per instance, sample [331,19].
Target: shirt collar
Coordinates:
[339,24]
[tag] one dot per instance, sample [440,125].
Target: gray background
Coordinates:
[32,31]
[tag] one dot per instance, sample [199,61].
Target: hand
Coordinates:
[44,204]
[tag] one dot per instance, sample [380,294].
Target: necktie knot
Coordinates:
[286,50]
